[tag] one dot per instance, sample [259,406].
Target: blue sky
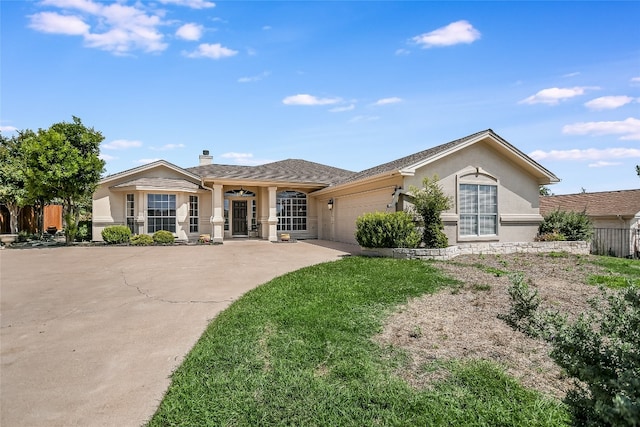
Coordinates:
[348,84]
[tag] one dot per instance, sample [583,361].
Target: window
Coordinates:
[161,212]
[291,207]
[193,214]
[226,215]
[131,212]
[478,210]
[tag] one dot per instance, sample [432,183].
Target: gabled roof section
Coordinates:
[290,170]
[148,167]
[159,184]
[408,165]
[625,203]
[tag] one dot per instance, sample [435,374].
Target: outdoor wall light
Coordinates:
[330,204]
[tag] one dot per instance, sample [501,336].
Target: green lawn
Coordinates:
[298,351]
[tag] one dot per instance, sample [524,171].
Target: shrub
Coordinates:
[115,234]
[572,225]
[84,231]
[429,202]
[599,350]
[163,237]
[141,240]
[550,237]
[387,230]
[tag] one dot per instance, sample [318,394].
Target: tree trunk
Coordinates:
[14,216]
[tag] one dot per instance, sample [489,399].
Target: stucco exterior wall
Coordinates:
[518,191]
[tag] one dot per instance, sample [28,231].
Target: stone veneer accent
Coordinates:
[580,247]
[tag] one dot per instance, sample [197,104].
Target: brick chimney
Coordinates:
[205,158]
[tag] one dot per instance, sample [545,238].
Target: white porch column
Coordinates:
[273,216]
[217,220]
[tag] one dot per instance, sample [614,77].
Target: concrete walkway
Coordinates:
[90,335]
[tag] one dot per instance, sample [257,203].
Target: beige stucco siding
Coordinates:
[518,191]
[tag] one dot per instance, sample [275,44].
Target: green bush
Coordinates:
[429,202]
[550,237]
[84,233]
[141,240]
[572,225]
[115,234]
[163,237]
[387,230]
[600,350]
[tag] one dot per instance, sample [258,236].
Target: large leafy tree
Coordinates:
[13,191]
[63,163]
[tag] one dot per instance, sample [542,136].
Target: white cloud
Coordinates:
[577,73]
[635,79]
[255,78]
[603,164]
[245,159]
[8,129]
[266,27]
[193,4]
[190,32]
[213,51]
[387,101]
[342,109]
[51,22]
[554,95]
[117,28]
[146,161]
[586,154]
[454,33]
[121,144]
[628,128]
[360,119]
[306,99]
[167,147]
[106,157]
[608,102]
[401,52]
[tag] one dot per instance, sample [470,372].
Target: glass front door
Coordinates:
[239,218]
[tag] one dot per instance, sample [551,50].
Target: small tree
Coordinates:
[63,163]
[13,191]
[429,202]
[571,225]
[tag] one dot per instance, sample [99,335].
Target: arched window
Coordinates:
[291,207]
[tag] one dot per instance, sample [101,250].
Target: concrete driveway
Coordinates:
[90,335]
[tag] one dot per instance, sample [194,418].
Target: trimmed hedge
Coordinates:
[116,234]
[387,230]
[163,237]
[141,240]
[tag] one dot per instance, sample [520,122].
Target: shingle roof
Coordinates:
[290,170]
[409,160]
[160,183]
[625,203]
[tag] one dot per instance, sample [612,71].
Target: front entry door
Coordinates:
[239,218]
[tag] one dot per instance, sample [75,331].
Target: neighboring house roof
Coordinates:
[290,170]
[625,203]
[159,183]
[408,165]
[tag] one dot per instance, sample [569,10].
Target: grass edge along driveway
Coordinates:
[298,351]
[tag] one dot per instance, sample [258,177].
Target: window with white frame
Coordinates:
[478,210]
[131,212]
[193,214]
[161,212]
[291,207]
